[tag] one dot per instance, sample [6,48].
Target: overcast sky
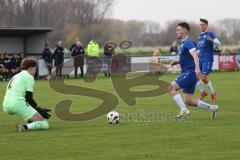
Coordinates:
[162,11]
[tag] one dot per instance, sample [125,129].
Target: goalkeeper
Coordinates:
[19,100]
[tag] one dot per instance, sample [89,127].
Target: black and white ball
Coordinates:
[113,117]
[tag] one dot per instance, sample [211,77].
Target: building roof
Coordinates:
[22,32]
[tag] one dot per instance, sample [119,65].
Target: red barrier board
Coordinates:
[227,63]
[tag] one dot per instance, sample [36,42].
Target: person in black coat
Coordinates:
[109,51]
[59,59]
[74,45]
[48,57]
[174,48]
[15,64]
[78,56]
[7,66]
[21,57]
[3,70]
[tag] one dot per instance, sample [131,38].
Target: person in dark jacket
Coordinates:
[47,56]
[3,70]
[109,50]
[7,66]
[174,48]
[59,59]
[74,45]
[78,56]
[15,64]
[21,57]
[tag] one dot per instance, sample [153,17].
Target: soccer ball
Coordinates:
[113,117]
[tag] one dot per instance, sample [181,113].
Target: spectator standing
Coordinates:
[7,65]
[22,56]
[93,52]
[74,45]
[48,57]
[59,59]
[109,51]
[93,49]
[15,65]
[174,48]
[2,67]
[78,53]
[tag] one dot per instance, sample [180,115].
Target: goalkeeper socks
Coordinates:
[200,86]
[203,105]
[178,99]
[38,125]
[210,87]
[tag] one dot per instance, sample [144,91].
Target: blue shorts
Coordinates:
[206,67]
[187,81]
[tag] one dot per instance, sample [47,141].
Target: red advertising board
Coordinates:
[227,62]
[238,61]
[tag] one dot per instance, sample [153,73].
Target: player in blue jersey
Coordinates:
[206,42]
[189,63]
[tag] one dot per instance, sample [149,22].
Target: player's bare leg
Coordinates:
[203,93]
[205,79]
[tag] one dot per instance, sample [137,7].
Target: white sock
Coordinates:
[210,87]
[38,125]
[200,86]
[204,105]
[178,99]
[31,126]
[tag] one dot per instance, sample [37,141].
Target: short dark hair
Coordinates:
[204,21]
[28,62]
[184,25]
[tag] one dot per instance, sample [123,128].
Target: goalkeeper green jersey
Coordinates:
[18,85]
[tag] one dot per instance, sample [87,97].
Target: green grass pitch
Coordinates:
[197,138]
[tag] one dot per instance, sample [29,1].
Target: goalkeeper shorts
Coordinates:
[19,107]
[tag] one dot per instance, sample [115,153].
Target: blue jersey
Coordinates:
[186,59]
[206,47]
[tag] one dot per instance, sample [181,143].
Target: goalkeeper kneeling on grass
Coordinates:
[19,100]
